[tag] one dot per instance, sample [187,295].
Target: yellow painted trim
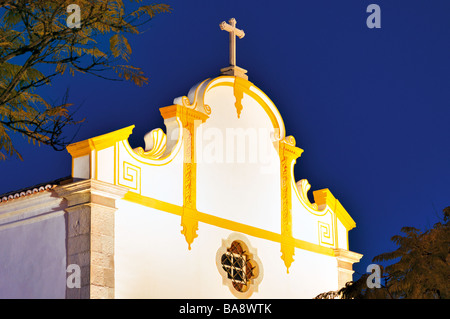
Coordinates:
[159,139]
[228,224]
[190,119]
[243,86]
[182,112]
[277,122]
[331,230]
[99,142]
[276,111]
[240,85]
[160,161]
[304,201]
[153,203]
[325,197]
[153,162]
[125,175]
[201,107]
[328,204]
[288,153]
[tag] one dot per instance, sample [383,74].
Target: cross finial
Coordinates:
[233,69]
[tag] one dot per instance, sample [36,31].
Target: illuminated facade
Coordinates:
[210,208]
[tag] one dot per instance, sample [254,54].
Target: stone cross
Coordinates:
[233,69]
[231,28]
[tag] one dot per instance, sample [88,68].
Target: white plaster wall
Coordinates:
[81,167]
[152,260]
[246,186]
[342,236]
[163,182]
[32,250]
[305,224]
[106,165]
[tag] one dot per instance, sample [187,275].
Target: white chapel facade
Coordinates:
[209,207]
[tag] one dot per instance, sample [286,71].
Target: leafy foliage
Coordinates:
[36,32]
[421,269]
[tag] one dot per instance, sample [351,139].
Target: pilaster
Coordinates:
[345,261]
[288,155]
[190,119]
[90,235]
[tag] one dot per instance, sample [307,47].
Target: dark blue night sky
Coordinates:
[370,107]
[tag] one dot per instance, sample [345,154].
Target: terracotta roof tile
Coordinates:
[33,190]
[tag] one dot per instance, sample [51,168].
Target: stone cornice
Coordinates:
[325,197]
[99,142]
[91,191]
[30,208]
[182,112]
[347,255]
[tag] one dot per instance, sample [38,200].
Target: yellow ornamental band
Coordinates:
[99,142]
[325,197]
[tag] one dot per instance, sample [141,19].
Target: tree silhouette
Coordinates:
[421,269]
[37,45]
